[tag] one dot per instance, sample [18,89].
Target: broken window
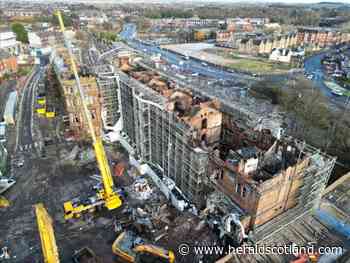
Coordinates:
[238,188]
[205,123]
[244,191]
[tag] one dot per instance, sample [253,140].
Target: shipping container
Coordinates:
[10,109]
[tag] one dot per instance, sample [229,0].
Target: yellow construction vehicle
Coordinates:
[47,235]
[4,202]
[41,100]
[105,196]
[50,112]
[41,110]
[132,249]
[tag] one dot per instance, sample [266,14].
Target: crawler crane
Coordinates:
[106,196]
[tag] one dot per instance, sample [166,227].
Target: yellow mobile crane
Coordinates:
[47,235]
[106,196]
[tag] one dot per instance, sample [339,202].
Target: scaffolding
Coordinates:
[107,83]
[315,178]
[161,139]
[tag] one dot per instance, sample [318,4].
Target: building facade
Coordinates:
[8,42]
[75,120]
[8,63]
[321,37]
[167,127]
[207,149]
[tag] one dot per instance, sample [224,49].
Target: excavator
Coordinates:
[106,196]
[132,249]
[48,240]
[141,254]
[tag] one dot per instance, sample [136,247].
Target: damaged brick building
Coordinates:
[75,121]
[248,180]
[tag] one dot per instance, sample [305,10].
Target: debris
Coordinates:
[102,221]
[5,253]
[141,212]
[200,225]
[170,190]
[141,189]
[5,184]
[96,177]
[72,155]
[119,169]
[160,236]
[85,255]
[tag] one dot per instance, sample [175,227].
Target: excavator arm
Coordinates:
[157,253]
[47,235]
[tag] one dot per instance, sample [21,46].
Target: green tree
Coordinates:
[20,31]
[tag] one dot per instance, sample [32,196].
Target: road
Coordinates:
[312,65]
[195,66]
[24,136]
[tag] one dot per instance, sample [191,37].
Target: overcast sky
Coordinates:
[169,1]
[247,1]
[189,1]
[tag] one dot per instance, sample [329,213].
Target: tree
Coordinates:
[20,31]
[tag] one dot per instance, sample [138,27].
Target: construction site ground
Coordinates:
[62,169]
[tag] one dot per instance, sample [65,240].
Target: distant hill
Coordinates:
[331,4]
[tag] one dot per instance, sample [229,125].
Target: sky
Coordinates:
[197,1]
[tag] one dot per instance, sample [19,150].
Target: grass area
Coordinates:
[24,70]
[250,63]
[258,66]
[22,19]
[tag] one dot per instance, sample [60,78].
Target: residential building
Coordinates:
[8,42]
[284,55]
[255,43]
[239,25]
[8,63]
[320,37]
[22,12]
[45,39]
[223,36]
[194,22]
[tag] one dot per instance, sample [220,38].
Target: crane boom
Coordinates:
[108,195]
[47,235]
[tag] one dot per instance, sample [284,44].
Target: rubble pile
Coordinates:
[141,189]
